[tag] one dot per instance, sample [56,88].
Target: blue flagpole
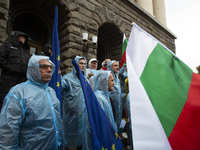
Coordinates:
[55,82]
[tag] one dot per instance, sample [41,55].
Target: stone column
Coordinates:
[146,5]
[159,11]
[4,14]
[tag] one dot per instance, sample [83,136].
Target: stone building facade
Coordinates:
[106,19]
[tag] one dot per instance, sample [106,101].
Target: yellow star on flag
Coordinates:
[103,148]
[51,53]
[58,84]
[113,147]
[58,57]
[116,135]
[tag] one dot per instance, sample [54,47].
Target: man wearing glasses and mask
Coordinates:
[74,109]
[30,115]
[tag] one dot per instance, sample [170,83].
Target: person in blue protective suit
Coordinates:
[104,83]
[113,66]
[74,109]
[30,116]
[122,76]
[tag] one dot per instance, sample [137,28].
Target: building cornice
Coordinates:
[152,17]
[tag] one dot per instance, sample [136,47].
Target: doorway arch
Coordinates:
[35,18]
[35,27]
[109,43]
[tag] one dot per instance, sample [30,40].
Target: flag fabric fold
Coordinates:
[164,96]
[124,45]
[102,132]
[55,82]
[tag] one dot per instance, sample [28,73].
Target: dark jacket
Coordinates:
[45,51]
[14,56]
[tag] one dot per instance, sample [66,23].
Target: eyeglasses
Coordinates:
[45,67]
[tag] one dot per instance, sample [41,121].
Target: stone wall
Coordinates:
[112,18]
[4,16]
[89,15]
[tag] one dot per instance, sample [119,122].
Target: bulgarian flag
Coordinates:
[164,96]
[124,44]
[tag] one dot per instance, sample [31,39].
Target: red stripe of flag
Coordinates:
[123,59]
[104,68]
[186,132]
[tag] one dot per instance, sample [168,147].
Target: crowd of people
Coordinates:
[30,111]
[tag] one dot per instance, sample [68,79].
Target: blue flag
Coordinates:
[55,82]
[103,135]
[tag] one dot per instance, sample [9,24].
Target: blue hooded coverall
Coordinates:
[101,91]
[30,116]
[74,109]
[116,95]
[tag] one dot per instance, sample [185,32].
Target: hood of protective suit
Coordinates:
[109,66]
[33,71]
[77,59]
[101,80]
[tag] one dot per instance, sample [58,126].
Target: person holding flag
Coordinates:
[104,83]
[74,109]
[113,66]
[103,136]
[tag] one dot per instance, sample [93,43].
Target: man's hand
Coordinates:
[90,74]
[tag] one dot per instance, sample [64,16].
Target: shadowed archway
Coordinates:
[35,18]
[109,43]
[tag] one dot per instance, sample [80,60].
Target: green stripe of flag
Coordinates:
[125,42]
[124,45]
[164,70]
